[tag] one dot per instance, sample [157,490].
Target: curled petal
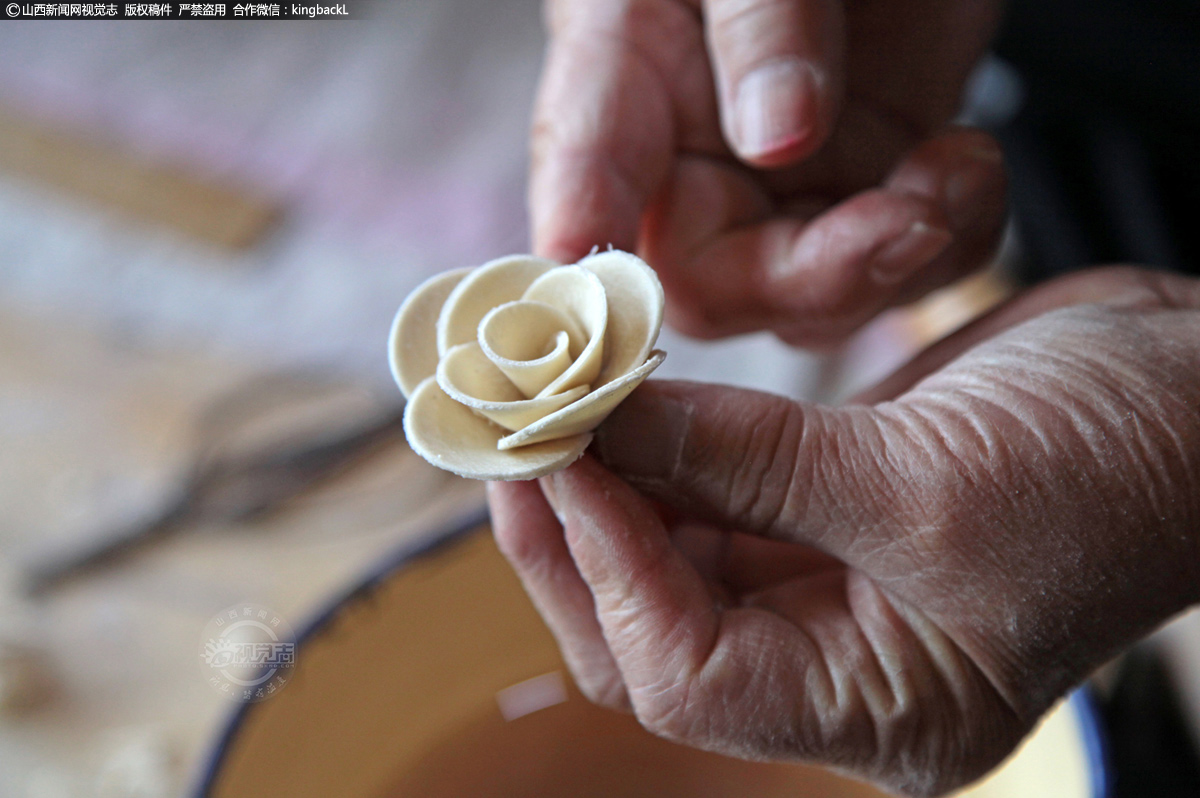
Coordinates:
[450,436]
[586,414]
[494,283]
[509,367]
[412,344]
[580,294]
[469,377]
[515,336]
[635,310]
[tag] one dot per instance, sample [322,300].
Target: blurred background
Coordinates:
[205,230]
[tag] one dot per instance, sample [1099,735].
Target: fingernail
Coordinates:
[915,247]
[776,106]
[645,436]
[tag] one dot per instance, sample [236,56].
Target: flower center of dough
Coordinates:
[533,343]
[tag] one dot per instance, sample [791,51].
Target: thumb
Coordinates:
[778,69]
[826,476]
[764,464]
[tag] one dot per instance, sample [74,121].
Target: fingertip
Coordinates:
[521,521]
[850,261]
[624,553]
[577,487]
[504,500]
[962,171]
[778,65]
[532,541]
[907,253]
[509,499]
[643,440]
[601,143]
[598,505]
[976,194]
[579,204]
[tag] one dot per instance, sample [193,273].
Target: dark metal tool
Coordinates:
[228,488]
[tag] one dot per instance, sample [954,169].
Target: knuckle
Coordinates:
[943,496]
[605,691]
[667,711]
[755,485]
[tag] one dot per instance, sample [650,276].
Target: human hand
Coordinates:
[898,588]
[843,192]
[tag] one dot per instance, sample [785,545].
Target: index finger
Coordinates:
[606,118]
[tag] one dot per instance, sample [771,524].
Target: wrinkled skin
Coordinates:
[872,200]
[901,586]
[898,587]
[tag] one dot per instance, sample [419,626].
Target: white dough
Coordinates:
[531,342]
[586,414]
[450,436]
[413,351]
[509,367]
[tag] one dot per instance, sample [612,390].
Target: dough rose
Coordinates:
[509,367]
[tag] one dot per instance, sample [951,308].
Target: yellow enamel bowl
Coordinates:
[437,678]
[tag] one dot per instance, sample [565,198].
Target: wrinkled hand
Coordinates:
[782,164]
[898,587]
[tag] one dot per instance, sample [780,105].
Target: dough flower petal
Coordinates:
[509,367]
